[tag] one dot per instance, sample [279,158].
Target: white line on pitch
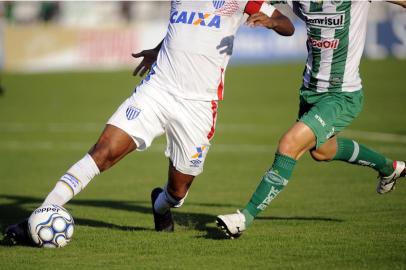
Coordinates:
[92,127]
[215,148]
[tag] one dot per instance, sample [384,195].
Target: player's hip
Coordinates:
[174,106]
[329,113]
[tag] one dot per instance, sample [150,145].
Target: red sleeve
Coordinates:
[253,7]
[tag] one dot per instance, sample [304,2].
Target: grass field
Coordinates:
[328,217]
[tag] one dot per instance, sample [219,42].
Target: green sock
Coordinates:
[271,184]
[352,152]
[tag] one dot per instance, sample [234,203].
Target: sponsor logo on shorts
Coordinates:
[321,121]
[331,133]
[199,152]
[131,113]
[195,162]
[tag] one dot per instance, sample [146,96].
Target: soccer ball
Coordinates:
[50,226]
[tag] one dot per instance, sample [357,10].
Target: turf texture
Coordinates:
[328,217]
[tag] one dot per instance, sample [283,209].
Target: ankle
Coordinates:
[248,217]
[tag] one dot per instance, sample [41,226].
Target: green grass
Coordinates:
[328,217]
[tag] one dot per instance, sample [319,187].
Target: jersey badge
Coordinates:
[336,2]
[218,4]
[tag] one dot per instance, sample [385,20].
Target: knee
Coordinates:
[318,155]
[103,154]
[288,145]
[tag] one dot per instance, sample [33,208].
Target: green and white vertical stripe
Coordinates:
[314,57]
[356,43]
[340,55]
[334,69]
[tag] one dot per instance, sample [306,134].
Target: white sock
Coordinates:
[165,201]
[73,181]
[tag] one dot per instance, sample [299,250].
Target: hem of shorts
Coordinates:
[318,144]
[137,143]
[185,171]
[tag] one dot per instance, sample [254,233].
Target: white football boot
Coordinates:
[232,225]
[387,183]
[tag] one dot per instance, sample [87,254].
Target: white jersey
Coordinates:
[197,48]
[336,31]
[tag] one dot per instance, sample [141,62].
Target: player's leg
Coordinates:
[296,141]
[178,185]
[171,196]
[352,152]
[112,146]
[318,115]
[133,126]
[188,133]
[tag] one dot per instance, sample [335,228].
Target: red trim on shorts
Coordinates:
[214,113]
[220,88]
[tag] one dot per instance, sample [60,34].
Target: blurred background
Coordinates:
[48,36]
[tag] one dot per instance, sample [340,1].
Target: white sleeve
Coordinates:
[267,9]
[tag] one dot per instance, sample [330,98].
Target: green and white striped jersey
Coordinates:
[336,32]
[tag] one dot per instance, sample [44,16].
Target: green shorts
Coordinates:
[328,113]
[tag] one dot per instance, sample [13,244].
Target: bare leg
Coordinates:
[112,146]
[296,141]
[173,195]
[327,151]
[178,183]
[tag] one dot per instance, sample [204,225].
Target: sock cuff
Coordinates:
[283,165]
[284,161]
[174,202]
[80,174]
[346,149]
[92,164]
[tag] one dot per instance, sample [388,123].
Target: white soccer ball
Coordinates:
[50,226]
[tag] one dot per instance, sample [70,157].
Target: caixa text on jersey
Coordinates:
[196,18]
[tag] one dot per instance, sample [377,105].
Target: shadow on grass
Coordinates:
[301,219]
[15,211]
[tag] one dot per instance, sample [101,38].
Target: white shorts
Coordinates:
[189,125]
